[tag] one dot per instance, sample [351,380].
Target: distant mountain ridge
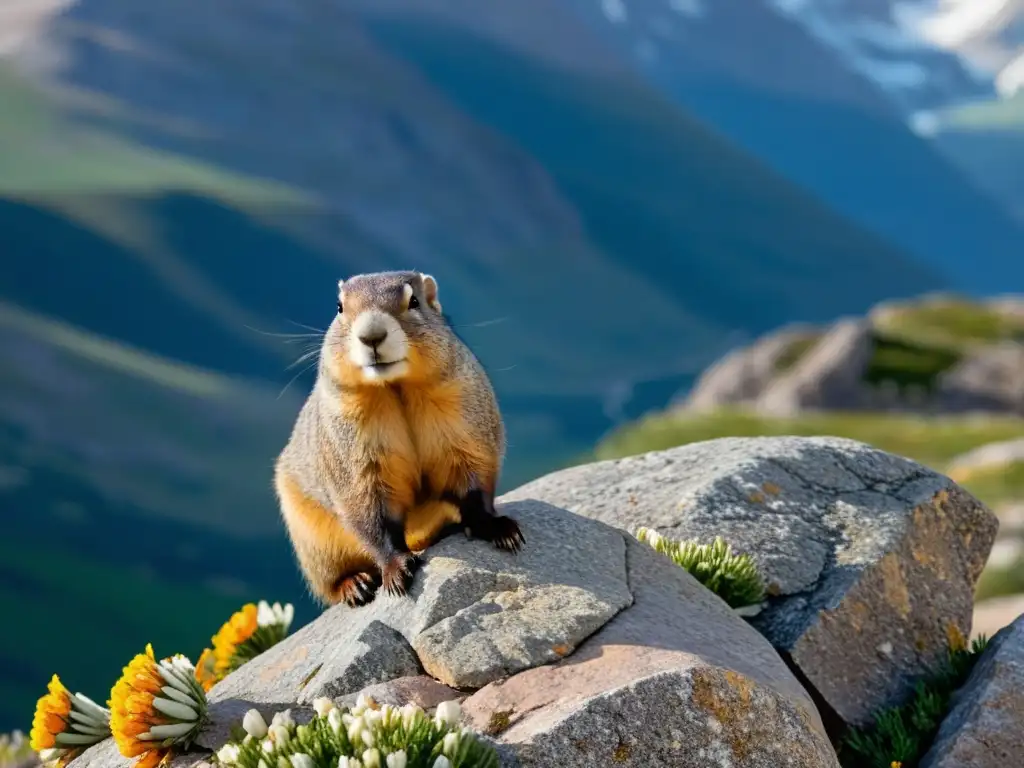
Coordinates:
[825,93]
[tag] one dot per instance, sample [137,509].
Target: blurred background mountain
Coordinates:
[612,193]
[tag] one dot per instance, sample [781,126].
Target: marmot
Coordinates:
[399,441]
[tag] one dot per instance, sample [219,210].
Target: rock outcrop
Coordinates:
[936,354]
[829,375]
[744,374]
[987,379]
[588,648]
[985,726]
[870,559]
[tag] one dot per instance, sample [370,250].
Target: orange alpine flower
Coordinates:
[155,707]
[249,632]
[64,724]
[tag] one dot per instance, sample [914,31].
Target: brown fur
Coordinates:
[363,450]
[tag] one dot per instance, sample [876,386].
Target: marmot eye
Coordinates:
[414,303]
[340,308]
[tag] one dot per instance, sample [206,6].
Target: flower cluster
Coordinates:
[365,736]
[248,633]
[66,723]
[15,750]
[732,577]
[157,706]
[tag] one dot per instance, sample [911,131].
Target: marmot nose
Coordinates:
[374,338]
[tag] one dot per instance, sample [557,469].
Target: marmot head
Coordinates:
[386,328]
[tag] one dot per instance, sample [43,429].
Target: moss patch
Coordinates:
[907,364]
[499,722]
[953,323]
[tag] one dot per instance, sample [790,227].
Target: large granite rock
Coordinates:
[476,615]
[585,649]
[870,559]
[669,682]
[985,725]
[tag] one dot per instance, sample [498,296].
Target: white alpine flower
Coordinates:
[450,743]
[448,713]
[254,724]
[268,615]
[323,706]
[228,754]
[284,718]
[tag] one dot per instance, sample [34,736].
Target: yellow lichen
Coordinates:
[893,584]
[771,488]
[729,705]
[955,638]
[499,721]
[621,753]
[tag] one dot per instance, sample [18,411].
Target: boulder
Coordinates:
[476,614]
[744,374]
[587,648]
[984,727]
[829,376]
[870,559]
[987,379]
[668,682]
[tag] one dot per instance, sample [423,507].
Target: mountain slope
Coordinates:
[822,123]
[129,509]
[986,138]
[714,226]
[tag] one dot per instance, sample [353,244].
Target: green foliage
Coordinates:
[732,577]
[15,750]
[907,364]
[262,640]
[795,351]
[904,734]
[362,737]
[950,322]
[933,441]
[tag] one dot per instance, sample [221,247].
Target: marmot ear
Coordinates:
[430,291]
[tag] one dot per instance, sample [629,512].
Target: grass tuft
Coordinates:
[902,735]
[732,577]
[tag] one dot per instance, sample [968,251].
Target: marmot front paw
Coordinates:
[358,589]
[397,575]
